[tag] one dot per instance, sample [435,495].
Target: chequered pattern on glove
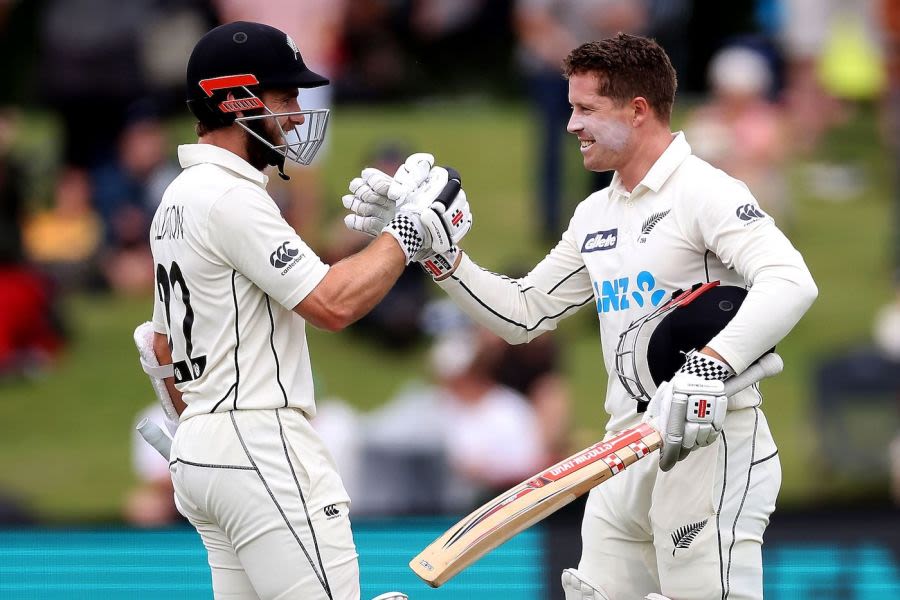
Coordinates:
[705,366]
[407,233]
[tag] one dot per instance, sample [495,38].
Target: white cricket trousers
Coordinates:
[693,533]
[266,498]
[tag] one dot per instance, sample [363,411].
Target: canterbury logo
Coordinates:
[282,256]
[683,536]
[749,212]
[331,511]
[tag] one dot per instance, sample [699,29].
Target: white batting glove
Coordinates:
[689,411]
[370,205]
[410,176]
[424,225]
[370,208]
[457,219]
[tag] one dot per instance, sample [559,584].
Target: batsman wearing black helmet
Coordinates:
[235,288]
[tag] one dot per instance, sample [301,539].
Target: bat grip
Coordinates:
[768,365]
[155,436]
[451,189]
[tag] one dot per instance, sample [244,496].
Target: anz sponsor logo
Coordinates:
[621,294]
[285,258]
[600,240]
[749,212]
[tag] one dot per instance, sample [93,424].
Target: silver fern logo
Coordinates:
[650,223]
[684,535]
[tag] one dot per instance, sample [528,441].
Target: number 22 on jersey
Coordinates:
[168,283]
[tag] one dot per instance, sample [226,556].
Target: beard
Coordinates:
[258,154]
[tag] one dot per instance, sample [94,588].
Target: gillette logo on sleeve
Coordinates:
[600,240]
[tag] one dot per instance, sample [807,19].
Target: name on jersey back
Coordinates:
[170,225]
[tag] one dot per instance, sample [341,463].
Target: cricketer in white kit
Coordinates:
[667,221]
[235,288]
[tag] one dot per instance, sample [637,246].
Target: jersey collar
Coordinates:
[661,170]
[197,154]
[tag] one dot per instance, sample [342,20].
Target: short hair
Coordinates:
[628,66]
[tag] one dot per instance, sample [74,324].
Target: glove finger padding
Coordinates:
[689,439]
[366,217]
[366,209]
[366,193]
[422,197]
[410,176]
[380,182]
[370,226]
[673,432]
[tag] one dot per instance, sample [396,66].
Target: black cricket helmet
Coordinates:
[653,347]
[241,59]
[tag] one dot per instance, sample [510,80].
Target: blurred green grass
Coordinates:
[65,435]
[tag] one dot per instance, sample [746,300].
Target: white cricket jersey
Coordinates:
[626,253]
[229,271]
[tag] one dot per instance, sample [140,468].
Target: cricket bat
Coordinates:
[546,492]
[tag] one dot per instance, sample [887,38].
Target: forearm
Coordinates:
[354,285]
[518,310]
[779,297]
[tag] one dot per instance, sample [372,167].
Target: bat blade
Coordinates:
[529,502]
[540,496]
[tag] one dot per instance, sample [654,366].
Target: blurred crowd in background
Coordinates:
[762,80]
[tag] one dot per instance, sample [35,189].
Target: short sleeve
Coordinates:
[247,231]
[159,314]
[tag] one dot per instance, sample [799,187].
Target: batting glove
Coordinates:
[371,201]
[432,219]
[689,411]
[457,220]
[410,176]
[370,208]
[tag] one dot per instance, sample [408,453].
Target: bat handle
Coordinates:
[768,365]
[452,187]
[155,436]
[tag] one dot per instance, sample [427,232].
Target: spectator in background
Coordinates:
[90,72]
[65,239]
[493,435]
[890,19]
[127,191]
[535,371]
[374,64]
[485,435]
[317,25]
[547,31]
[441,446]
[741,131]
[151,502]
[805,26]
[30,336]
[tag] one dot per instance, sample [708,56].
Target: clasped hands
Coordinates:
[407,207]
